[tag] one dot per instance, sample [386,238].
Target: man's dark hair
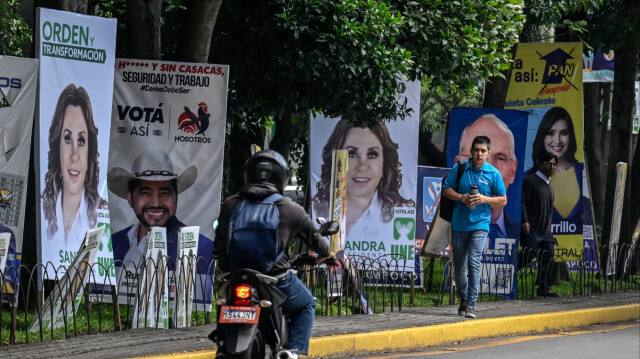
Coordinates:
[481,140]
[134,183]
[546,156]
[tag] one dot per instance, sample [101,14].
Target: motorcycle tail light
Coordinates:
[243,292]
[243,295]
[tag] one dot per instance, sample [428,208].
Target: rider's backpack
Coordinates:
[253,235]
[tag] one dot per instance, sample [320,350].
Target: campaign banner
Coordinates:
[168,126]
[598,67]
[616,218]
[151,307]
[505,129]
[340,160]
[18,84]
[64,300]
[381,180]
[428,200]
[546,81]
[185,276]
[76,55]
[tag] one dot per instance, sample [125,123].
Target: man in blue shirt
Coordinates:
[471,218]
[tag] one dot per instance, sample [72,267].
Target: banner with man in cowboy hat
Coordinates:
[165,164]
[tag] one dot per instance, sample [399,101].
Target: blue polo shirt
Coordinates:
[489,182]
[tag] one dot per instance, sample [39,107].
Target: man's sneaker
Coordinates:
[462,308]
[470,313]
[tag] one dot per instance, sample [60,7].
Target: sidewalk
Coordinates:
[411,327]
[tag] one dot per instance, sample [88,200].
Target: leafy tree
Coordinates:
[14,32]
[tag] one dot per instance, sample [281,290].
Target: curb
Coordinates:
[433,335]
[405,339]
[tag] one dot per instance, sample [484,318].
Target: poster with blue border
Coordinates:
[507,130]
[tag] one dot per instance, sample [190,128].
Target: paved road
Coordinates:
[618,340]
[350,334]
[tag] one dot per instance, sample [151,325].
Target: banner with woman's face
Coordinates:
[381,180]
[77,55]
[546,81]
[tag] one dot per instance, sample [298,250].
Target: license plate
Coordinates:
[232,314]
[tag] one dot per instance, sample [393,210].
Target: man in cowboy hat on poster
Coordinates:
[151,188]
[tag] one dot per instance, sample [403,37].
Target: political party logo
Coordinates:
[140,121]
[430,197]
[404,229]
[6,198]
[558,69]
[194,124]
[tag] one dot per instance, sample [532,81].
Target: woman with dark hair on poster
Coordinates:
[556,135]
[70,198]
[373,177]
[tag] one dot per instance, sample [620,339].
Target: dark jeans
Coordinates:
[541,248]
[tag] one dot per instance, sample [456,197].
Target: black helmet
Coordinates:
[269,167]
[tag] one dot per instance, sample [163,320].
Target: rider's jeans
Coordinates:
[467,258]
[301,307]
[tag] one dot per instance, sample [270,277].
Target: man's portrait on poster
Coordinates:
[502,157]
[374,178]
[151,189]
[70,198]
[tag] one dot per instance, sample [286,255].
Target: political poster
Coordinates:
[151,309]
[338,200]
[546,81]
[167,140]
[381,180]
[428,200]
[505,129]
[185,273]
[76,55]
[59,308]
[18,85]
[598,67]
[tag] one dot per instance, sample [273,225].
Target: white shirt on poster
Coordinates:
[76,234]
[370,226]
[135,255]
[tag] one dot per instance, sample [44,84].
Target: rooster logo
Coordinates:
[190,123]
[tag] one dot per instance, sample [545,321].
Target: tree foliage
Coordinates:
[14,31]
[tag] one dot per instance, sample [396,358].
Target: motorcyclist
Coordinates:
[265,173]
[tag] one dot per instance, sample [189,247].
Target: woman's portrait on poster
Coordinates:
[556,135]
[374,177]
[70,198]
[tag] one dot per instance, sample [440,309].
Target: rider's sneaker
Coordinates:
[287,354]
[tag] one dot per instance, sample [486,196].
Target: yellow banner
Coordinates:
[546,81]
[340,164]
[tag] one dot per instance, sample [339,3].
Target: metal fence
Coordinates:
[358,285]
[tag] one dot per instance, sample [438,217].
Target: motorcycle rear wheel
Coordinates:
[256,350]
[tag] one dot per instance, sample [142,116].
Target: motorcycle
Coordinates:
[250,320]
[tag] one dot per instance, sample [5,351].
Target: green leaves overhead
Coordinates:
[344,57]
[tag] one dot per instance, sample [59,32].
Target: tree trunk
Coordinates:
[79,6]
[621,122]
[593,149]
[143,28]
[198,29]
[496,88]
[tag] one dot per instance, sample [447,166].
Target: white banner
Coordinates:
[152,305]
[77,55]
[18,82]
[168,122]
[381,180]
[65,298]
